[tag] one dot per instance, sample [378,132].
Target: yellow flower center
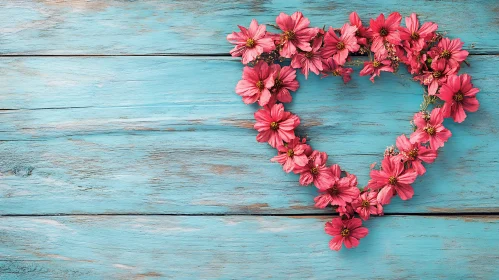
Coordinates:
[383,32]
[334,191]
[345,232]
[366,203]
[314,170]
[260,85]
[430,130]
[250,43]
[274,126]
[376,64]
[437,74]
[277,83]
[458,97]
[291,153]
[289,35]
[413,154]
[336,73]
[392,180]
[340,46]
[414,36]
[446,54]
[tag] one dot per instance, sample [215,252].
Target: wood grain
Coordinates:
[169,135]
[112,27]
[152,160]
[135,247]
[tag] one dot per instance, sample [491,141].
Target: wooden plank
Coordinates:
[186,27]
[138,135]
[146,247]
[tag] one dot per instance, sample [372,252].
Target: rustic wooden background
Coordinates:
[126,154]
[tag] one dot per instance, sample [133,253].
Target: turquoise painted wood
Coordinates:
[123,135]
[153,163]
[199,27]
[136,247]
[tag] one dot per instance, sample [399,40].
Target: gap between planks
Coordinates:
[166,54]
[420,214]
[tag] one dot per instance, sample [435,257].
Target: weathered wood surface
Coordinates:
[173,247]
[169,135]
[199,26]
[119,136]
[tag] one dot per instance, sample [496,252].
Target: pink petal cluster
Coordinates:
[346,232]
[385,31]
[430,129]
[250,43]
[339,46]
[414,35]
[459,96]
[274,125]
[392,178]
[309,61]
[432,59]
[292,155]
[414,154]
[450,50]
[296,34]
[362,34]
[315,171]
[340,191]
[374,68]
[284,82]
[330,67]
[436,76]
[367,204]
[256,84]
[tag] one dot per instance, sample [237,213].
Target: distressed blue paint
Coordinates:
[143,135]
[244,247]
[199,26]
[140,135]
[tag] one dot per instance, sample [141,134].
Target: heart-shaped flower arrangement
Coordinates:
[433,60]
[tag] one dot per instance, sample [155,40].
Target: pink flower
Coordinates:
[316,171]
[346,210]
[340,192]
[308,149]
[374,68]
[345,231]
[420,119]
[385,31]
[435,78]
[366,204]
[392,177]
[255,84]
[362,32]
[415,60]
[431,130]
[274,125]
[417,36]
[284,81]
[296,34]
[330,67]
[459,96]
[310,60]
[251,42]
[338,47]
[291,155]
[415,153]
[450,50]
